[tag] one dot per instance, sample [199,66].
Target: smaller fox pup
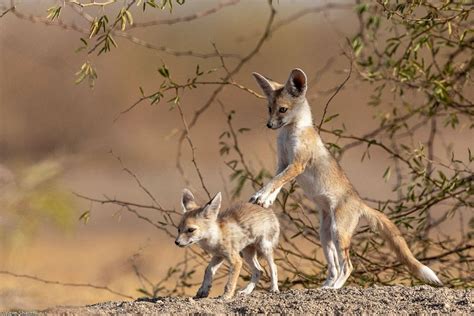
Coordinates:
[243,228]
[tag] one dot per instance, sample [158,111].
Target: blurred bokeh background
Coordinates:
[58,138]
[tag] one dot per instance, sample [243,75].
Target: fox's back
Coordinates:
[250,222]
[247,213]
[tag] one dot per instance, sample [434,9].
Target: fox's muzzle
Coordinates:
[179,244]
[183,242]
[274,125]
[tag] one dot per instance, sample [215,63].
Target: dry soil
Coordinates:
[347,301]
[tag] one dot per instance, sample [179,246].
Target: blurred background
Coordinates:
[59,138]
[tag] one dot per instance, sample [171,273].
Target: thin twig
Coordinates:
[86,285]
[237,68]
[193,150]
[191,84]
[6,11]
[137,180]
[336,92]
[170,51]
[188,18]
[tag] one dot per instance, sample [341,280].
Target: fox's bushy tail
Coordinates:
[380,223]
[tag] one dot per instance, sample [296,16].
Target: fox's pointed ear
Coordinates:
[267,85]
[188,202]
[297,83]
[212,208]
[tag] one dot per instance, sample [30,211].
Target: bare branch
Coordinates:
[137,180]
[168,50]
[337,91]
[92,3]
[188,18]
[6,11]
[57,22]
[85,285]
[237,68]
[193,150]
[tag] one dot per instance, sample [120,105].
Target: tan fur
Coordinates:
[303,156]
[242,228]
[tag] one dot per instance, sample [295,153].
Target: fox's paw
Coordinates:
[202,293]
[263,198]
[329,283]
[267,203]
[225,297]
[246,291]
[275,290]
[243,293]
[255,198]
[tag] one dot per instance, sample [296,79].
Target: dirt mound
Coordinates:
[350,300]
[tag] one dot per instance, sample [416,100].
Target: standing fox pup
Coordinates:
[242,228]
[303,156]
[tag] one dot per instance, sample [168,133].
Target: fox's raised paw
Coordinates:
[263,198]
[254,198]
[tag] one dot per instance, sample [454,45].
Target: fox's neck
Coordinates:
[212,238]
[303,117]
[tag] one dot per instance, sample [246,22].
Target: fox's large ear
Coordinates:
[267,85]
[297,83]
[212,208]
[187,201]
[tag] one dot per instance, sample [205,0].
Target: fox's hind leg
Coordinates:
[342,229]
[266,248]
[346,267]
[250,256]
[329,249]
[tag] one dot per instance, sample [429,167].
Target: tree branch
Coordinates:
[85,285]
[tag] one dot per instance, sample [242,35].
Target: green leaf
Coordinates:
[85,217]
[386,174]
[164,71]
[53,12]
[88,72]
[330,118]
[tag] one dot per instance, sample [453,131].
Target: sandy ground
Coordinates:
[346,301]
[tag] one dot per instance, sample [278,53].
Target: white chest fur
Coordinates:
[315,179]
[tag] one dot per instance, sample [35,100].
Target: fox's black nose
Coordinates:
[176,243]
[269,125]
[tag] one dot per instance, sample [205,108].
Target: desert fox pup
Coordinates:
[303,156]
[243,228]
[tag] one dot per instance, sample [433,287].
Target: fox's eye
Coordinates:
[283,110]
[270,110]
[191,229]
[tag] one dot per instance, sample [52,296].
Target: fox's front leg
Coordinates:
[267,195]
[262,195]
[211,270]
